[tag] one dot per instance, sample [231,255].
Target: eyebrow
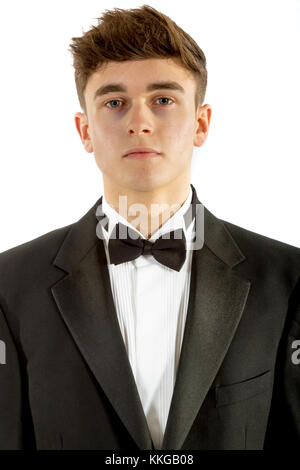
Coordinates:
[113,87]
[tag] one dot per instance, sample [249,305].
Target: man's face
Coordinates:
[161,118]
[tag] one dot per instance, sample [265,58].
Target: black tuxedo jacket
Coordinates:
[67,382]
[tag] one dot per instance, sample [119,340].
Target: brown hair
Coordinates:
[135,34]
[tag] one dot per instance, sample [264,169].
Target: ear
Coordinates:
[203,114]
[82,126]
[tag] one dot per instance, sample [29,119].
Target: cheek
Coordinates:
[179,132]
[105,135]
[102,128]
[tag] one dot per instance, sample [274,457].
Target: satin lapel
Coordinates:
[216,303]
[85,301]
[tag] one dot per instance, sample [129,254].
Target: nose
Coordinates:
[139,120]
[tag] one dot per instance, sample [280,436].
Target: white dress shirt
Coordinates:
[151,303]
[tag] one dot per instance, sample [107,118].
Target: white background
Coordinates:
[247,172]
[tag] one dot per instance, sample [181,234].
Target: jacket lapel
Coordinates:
[85,301]
[217,300]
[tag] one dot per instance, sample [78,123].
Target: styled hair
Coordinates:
[135,34]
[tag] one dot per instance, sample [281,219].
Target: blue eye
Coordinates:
[114,101]
[164,98]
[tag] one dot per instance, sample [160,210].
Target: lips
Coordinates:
[141,152]
[142,155]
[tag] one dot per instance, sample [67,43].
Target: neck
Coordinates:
[147,210]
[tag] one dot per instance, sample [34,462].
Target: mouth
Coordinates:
[142,155]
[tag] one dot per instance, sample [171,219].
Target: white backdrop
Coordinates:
[248,170]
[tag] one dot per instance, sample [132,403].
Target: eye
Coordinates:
[164,98]
[113,101]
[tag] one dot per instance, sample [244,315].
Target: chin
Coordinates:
[147,181]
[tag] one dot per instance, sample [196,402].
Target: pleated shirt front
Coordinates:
[151,302]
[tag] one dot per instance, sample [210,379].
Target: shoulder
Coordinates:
[30,266]
[40,252]
[267,257]
[38,246]
[253,242]
[30,258]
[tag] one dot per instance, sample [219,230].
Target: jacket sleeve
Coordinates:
[283,430]
[16,432]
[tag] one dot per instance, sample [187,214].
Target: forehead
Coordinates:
[138,74]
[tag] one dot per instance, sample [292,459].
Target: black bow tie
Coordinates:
[169,249]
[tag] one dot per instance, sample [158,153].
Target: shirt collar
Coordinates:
[173,223]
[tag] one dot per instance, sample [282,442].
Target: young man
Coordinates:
[138,341]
